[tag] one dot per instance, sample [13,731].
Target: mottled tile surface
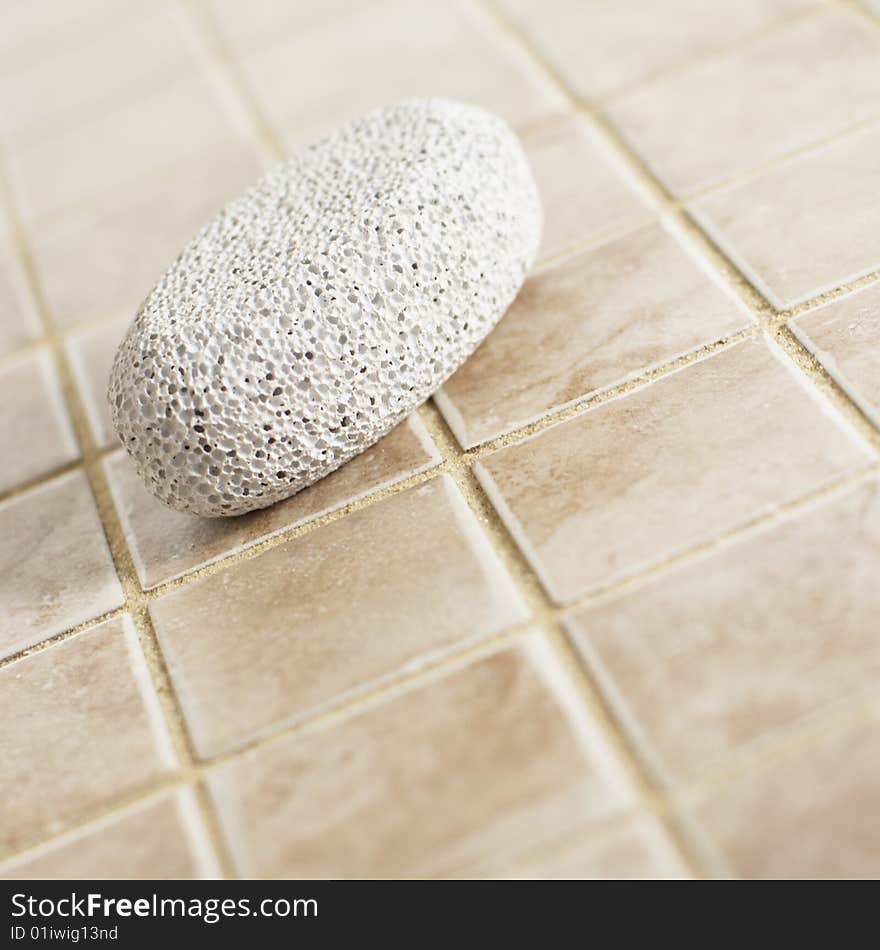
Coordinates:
[756,104]
[638,850]
[55,567]
[35,431]
[651,474]
[81,728]
[328,613]
[583,194]
[735,646]
[603,48]
[158,840]
[167,543]
[811,813]
[588,323]
[845,337]
[481,765]
[438,50]
[805,227]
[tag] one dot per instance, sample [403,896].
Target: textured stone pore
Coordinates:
[317,310]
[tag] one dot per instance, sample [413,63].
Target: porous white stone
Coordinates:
[317,310]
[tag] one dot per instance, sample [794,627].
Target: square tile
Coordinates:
[136,51]
[845,337]
[738,111]
[104,264]
[738,645]
[90,352]
[637,850]
[603,48]
[811,813]
[110,152]
[331,613]
[19,324]
[668,467]
[35,431]
[160,839]
[591,322]
[55,566]
[806,227]
[81,728]
[451,779]
[389,52]
[167,543]
[583,196]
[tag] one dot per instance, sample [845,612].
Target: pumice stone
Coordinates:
[319,308]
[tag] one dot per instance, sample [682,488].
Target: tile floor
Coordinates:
[605,607]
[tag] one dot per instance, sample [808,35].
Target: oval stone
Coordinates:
[318,309]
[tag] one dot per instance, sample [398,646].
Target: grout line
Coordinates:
[56,472]
[593,400]
[742,43]
[41,645]
[120,554]
[229,67]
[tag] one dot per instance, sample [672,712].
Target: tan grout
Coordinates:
[459,465]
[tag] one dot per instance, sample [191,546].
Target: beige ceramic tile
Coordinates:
[331,613]
[103,265]
[389,52]
[805,227]
[593,321]
[731,114]
[731,648]
[35,432]
[670,466]
[159,840]
[167,543]
[91,352]
[55,567]
[136,51]
[603,48]
[18,320]
[638,850]
[809,814]
[34,31]
[257,22]
[81,728]
[845,337]
[449,779]
[583,197]
[110,152]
